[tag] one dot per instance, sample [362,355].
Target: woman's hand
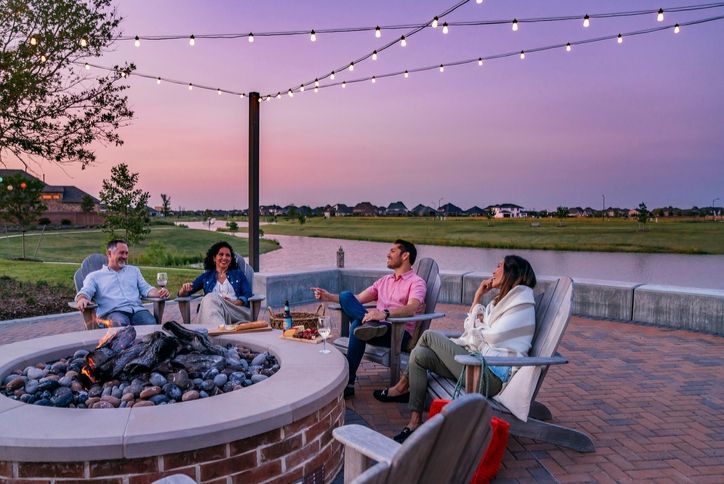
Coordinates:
[185,289]
[485,286]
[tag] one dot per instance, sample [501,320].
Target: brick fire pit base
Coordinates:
[278,430]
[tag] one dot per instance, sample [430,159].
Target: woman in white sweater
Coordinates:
[505,327]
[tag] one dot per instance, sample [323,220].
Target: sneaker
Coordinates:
[371,330]
[348,391]
[402,436]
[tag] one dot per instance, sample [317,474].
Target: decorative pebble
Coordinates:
[159,399]
[143,403]
[220,380]
[102,404]
[157,379]
[258,378]
[63,397]
[190,395]
[127,397]
[150,391]
[92,401]
[180,378]
[35,373]
[43,402]
[172,391]
[31,386]
[65,381]
[80,354]
[46,384]
[18,382]
[112,400]
[259,359]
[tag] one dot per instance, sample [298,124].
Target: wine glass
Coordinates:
[161,279]
[325,329]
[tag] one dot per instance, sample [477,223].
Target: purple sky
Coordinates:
[641,121]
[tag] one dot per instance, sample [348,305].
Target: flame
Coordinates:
[85,371]
[108,336]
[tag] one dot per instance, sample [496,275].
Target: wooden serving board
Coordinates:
[240,329]
[314,341]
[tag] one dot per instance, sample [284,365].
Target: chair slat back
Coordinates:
[248,271]
[90,264]
[429,271]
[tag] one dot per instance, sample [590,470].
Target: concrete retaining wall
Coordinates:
[677,307]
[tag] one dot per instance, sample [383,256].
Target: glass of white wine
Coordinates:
[325,329]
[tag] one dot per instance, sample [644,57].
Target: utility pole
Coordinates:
[713,210]
[603,208]
[254,180]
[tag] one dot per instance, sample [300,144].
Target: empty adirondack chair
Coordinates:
[446,448]
[184,302]
[516,403]
[393,357]
[92,263]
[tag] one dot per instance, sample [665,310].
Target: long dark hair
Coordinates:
[516,271]
[209,263]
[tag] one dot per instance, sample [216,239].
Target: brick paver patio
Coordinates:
[652,398]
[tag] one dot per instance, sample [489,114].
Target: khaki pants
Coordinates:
[215,311]
[435,352]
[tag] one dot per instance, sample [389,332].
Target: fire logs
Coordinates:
[158,369]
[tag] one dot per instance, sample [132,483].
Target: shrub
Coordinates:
[44,221]
[66,222]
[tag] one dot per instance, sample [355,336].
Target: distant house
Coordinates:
[423,211]
[365,209]
[63,201]
[396,208]
[507,210]
[450,209]
[475,211]
[342,210]
[269,210]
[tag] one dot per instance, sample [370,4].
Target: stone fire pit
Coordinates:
[277,429]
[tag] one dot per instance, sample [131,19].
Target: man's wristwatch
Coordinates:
[387,313]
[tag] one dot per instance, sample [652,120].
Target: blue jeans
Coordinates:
[355,311]
[124,318]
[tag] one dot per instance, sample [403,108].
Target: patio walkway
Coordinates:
[652,398]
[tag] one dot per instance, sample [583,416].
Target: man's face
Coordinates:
[395,257]
[118,257]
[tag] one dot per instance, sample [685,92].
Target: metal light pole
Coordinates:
[254,180]
[713,210]
[603,208]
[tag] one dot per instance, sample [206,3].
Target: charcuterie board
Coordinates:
[241,328]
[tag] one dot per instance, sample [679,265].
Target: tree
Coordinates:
[87,204]
[488,212]
[644,215]
[165,204]
[562,214]
[233,226]
[126,208]
[51,107]
[20,202]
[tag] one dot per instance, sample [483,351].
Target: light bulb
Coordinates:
[515,25]
[586,21]
[301,88]
[620,39]
[378,32]
[434,23]
[445,30]
[43,58]
[316,90]
[83,42]
[191,87]
[478,1]
[522,54]
[374,79]
[192,41]
[87,66]
[442,68]
[331,76]
[290,93]
[123,73]
[480,61]
[316,83]
[137,42]
[660,15]
[351,66]
[344,84]
[407,74]
[251,38]
[677,29]
[158,80]
[279,95]
[568,47]
[33,41]
[218,91]
[374,55]
[403,41]
[313,36]
[241,96]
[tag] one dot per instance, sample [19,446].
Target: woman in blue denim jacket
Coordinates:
[226,290]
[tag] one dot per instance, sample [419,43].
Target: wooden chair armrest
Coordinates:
[256,297]
[469,360]
[74,305]
[417,317]
[157,299]
[337,307]
[188,298]
[367,442]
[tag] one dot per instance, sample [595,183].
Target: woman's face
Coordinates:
[498,274]
[222,259]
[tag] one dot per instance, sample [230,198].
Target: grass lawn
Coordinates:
[613,235]
[163,243]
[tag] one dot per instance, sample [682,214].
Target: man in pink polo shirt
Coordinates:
[399,294]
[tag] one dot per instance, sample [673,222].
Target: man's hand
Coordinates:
[82,303]
[323,295]
[374,315]
[162,293]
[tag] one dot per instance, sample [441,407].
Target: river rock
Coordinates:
[43,402]
[127,397]
[259,359]
[172,391]
[150,391]
[11,377]
[190,395]
[159,399]
[16,383]
[180,378]
[208,385]
[95,391]
[157,379]
[144,403]
[106,391]
[258,378]
[102,404]
[92,401]
[76,386]
[209,375]
[203,394]
[247,383]
[112,400]
[35,373]
[31,386]
[220,379]
[80,354]
[63,397]
[117,392]
[81,397]
[59,367]
[48,384]
[65,381]
[27,398]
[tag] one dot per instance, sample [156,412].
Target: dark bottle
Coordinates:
[287,316]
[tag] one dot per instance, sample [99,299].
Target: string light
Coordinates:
[374,79]
[158,80]
[316,90]
[290,93]
[301,88]
[619,39]
[123,74]
[43,58]
[568,47]
[480,61]
[442,68]
[586,21]
[331,76]
[192,41]
[515,25]
[660,15]
[279,95]
[251,38]
[191,87]
[378,32]
[522,54]
[137,42]
[241,96]
[218,91]
[374,55]
[313,36]
[406,74]
[83,42]
[351,66]
[403,41]
[478,1]
[344,84]
[33,41]
[677,29]
[445,30]
[316,83]
[87,66]
[434,23]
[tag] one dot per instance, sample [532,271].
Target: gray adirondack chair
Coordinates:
[393,357]
[446,448]
[553,313]
[92,263]
[184,302]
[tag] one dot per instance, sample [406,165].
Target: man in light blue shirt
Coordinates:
[117,289]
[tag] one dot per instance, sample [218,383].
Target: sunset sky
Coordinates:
[640,121]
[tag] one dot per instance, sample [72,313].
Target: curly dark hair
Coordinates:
[209,263]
